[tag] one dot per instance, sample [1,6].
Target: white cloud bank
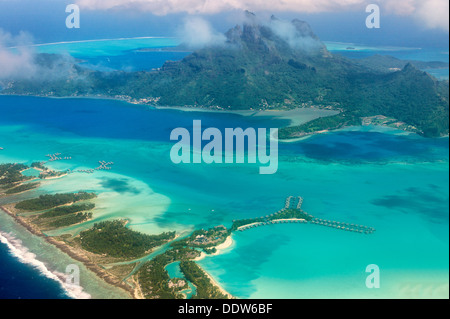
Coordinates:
[197,33]
[432,13]
[288,32]
[17,63]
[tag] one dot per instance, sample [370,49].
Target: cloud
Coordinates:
[432,13]
[287,31]
[197,33]
[404,7]
[215,6]
[18,62]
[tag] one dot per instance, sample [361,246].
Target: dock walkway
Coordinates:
[295,203]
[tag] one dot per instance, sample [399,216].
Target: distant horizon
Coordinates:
[44,21]
[179,38]
[224,149]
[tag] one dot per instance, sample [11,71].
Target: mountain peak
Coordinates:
[304,29]
[294,37]
[409,67]
[249,14]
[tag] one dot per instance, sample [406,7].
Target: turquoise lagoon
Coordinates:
[388,179]
[174,271]
[144,53]
[105,47]
[131,54]
[357,51]
[391,180]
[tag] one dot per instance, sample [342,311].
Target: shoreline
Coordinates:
[226,244]
[101,273]
[72,253]
[220,248]
[290,115]
[216,284]
[294,115]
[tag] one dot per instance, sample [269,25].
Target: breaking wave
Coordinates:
[22,253]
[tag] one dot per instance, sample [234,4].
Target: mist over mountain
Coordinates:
[271,64]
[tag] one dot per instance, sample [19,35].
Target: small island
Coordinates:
[258,69]
[120,255]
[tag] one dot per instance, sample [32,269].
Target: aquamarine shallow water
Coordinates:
[130,54]
[305,261]
[31,268]
[174,271]
[105,47]
[395,182]
[358,51]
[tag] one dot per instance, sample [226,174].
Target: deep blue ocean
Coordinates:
[22,281]
[77,120]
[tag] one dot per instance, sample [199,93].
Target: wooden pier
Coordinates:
[344,226]
[57,157]
[273,222]
[103,165]
[295,203]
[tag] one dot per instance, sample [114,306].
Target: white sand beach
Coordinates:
[220,248]
[215,283]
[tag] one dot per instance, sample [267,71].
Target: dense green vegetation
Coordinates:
[11,174]
[154,279]
[206,239]
[66,210]
[210,251]
[22,188]
[114,239]
[387,64]
[47,173]
[205,289]
[320,124]
[50,201]
[257,69]
[70,219]
[38,165]
[291,213]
